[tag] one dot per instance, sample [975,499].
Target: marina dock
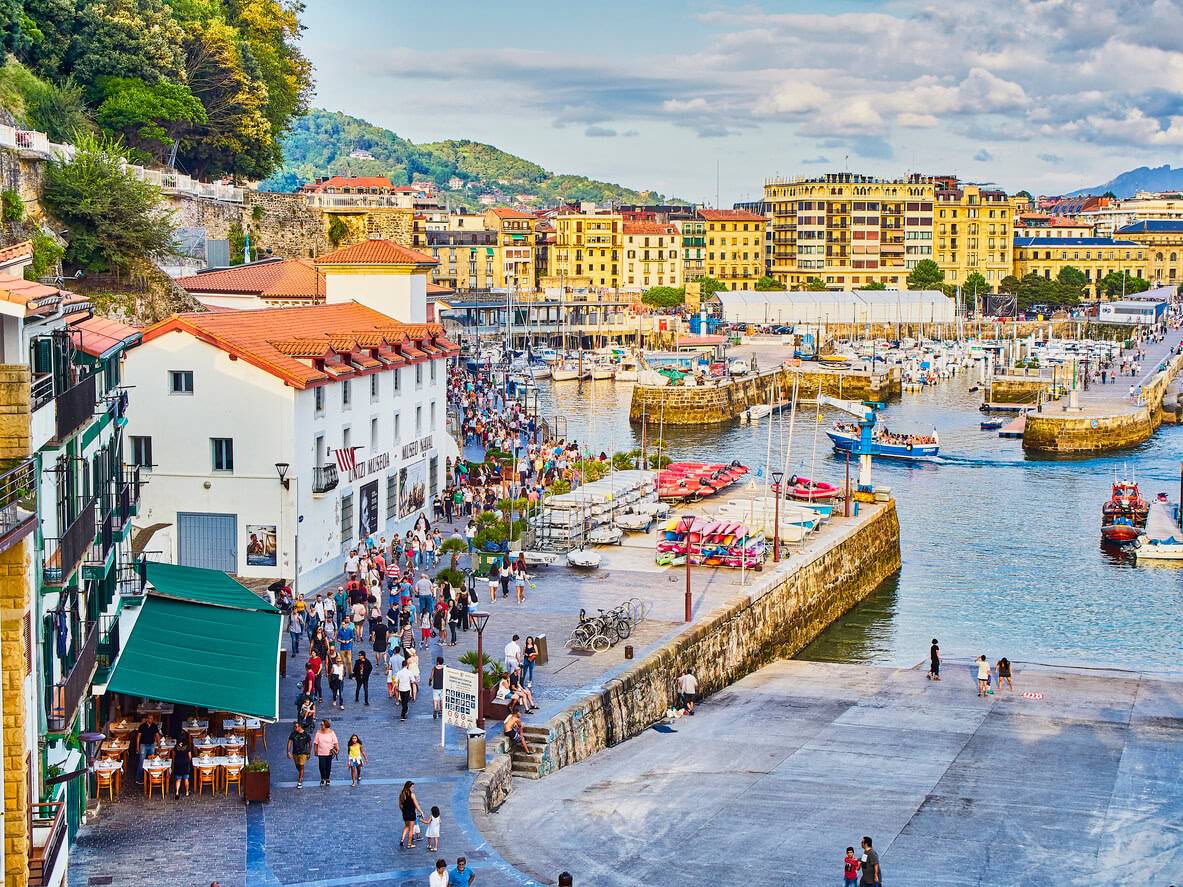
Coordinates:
[1014,428]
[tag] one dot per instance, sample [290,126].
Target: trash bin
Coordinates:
[283,663]
[476,749]
[540,643]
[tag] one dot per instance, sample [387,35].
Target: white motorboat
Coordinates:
[606,536]
[628,370]
[584,559]
[755,413]
[547,355]
[602,371]
[540,558]
[564,373]
[1163,539]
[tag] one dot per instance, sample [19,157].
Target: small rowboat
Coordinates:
[541,558]
[811,490]
[990,424]
[583,559]
[634,521]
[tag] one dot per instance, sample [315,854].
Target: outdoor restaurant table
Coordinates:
[115,746]
[201,743]
[218,763]
[165,743]
[106,765]
[233,742]
[123,726]
[194,726]
[158,765]
[155,708]
[240,724]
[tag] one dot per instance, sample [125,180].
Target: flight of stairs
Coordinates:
[529,766]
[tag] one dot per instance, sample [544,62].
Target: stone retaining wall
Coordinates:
[493,785]
[780,615]
[1011,389]
[715,404]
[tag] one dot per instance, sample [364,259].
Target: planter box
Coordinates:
[256,785]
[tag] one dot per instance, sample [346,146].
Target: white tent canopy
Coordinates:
[859,306]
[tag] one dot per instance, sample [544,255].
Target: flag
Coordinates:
[347,459]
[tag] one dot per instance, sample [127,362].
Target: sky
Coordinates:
[693,99]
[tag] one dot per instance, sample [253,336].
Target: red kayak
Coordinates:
[807,490]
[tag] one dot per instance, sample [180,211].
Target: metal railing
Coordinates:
[41,390]
[109,646]
[324,478]
[18,502]
[63,555]
[104,538]
[48,819]
[75,406]
[133,577]
[62,698]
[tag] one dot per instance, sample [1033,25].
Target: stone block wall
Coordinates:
[777,619]
[723,402]
[1011,389]
[493,785]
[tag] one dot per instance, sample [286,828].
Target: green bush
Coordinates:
[559,487]
[452,576]
[492,667]
[13,207]
[624,461]
[338,230]
[486,519]
[47,252]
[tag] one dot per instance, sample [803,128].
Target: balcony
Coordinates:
[133,577]
[48,819]
[324,479]
[95,564]
[18,503]
[63,555]
[108,649]
[62,699]
[40,390]
[75,406]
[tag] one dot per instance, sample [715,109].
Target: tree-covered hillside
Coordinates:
[320,143]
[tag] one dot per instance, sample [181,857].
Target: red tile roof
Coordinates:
[16,252]
[648,228]
[341,182]
[101,336]
[282,341]
[730,215]
[435,289]
[37,298]
[503,213]
[285,278]
[376,252]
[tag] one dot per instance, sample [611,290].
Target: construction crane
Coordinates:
[866,423]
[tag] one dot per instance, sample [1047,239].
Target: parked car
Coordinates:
[739,367]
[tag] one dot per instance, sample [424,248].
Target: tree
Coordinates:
[1023,193]
[927,275]
[338,230]
[1008,284]
[1115,283]
[114,220]
[876,285]
[1070,283]
[1035,289]
[1110,195]
[710,286]
[124,38]
[665,296]
[815,285]
[768,283]
[147,116]
[974,288]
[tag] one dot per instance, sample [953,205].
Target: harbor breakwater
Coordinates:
[726,399]
[777,617]
[1086,434]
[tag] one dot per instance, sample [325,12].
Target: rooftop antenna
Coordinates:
[716,183]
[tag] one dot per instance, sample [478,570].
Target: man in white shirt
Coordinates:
[403,681]
[439,878]
[688,690]
[352,563]
[513,655]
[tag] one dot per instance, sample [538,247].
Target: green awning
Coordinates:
[203,587]
[214,656]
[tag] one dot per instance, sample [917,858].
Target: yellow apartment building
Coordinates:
[468,260]
[973,232]
[734,246]
[1095,256]
[652,256]
[694,246]
[1163,239]
[587,251]
[514,265]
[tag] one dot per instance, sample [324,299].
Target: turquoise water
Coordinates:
[1001,552]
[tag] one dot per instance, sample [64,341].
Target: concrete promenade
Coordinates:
[778,774]
[1114,398]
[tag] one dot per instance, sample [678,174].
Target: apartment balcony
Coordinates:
[49,831]
[63,698]
[64,554]
[132,579]
[98,559]
[18,503]
[75,407]
[107,653]
[324,479]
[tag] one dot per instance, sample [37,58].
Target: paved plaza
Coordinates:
[778,774]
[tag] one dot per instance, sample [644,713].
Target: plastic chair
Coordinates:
[206,776]
[232,774]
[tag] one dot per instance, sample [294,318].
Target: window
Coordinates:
[418,374]
[141,451]
[374,435]
[346,518]
[346,393]
[222,449]
[180,382]
[433,371]
[397,430]
[432,414]
[374,390]
[320,450]
[398,384]
[392,493]
[318,399]
[418,420]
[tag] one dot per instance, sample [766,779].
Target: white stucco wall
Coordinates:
[399,295]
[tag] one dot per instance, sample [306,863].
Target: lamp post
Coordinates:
[480,619]
[777,476]
[687,523]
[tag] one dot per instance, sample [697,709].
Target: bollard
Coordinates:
[628,651]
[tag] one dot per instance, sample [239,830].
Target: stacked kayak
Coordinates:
[712,543]
[689,481]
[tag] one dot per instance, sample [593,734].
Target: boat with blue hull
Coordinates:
[885,444]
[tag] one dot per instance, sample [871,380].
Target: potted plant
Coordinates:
[493,672]
[256,782]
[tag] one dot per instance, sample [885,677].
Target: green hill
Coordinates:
[320,143]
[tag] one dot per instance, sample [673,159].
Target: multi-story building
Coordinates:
[587,251]
[652,256]
[849,230]
[1044,225]
[1107,214]
[694,245]
[514,266]
[1163,239]
[467,258]
[1095,256]
[973,232]
[735,246]
[275,439]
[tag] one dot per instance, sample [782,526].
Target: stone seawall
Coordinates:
[1075,434]
[777,618]
[715,404]
[1014,389]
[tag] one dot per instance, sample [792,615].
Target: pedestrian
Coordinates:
[425,630]
[519,584]
[362,669]
[513,655]
[326,747]
[295,630]
[146,735]
[411,811]
[1003,669]
[433,830]
[390,673]
[493,582]
[315,668]
[934,661]
[345,636]
[529,657]
[182,768]
[504,576]
[356,753]
[565,879]
[869,865]
[983,675]
[439,878]
[437,688]
[378,636]
[299,747]
[337,681]
[850,866]
[413,665]
[454,615]
[687,691]
[462,876]
[403,681]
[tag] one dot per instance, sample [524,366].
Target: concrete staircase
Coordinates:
[529,766]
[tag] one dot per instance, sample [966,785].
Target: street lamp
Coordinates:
[687,524]
[777,476]
[281,468]
[480,619]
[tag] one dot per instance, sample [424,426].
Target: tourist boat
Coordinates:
[884,443]
[689,481]
[811,490]
[1123,514]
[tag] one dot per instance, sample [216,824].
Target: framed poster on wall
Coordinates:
[412,488]
[367,520]
[261,545]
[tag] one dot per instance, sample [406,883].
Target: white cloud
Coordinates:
[682,106]
[792,98]
[916,121]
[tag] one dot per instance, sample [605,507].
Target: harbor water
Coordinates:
[1001,552]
